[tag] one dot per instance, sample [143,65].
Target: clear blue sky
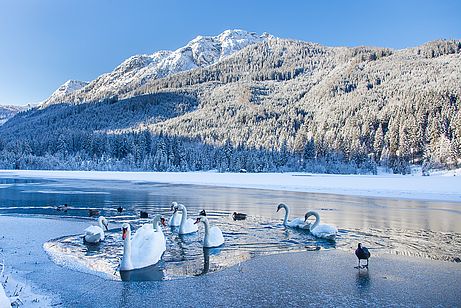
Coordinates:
[43,43]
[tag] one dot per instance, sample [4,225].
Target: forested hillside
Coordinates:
[276,105]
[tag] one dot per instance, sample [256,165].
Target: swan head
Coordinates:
[174,205]
[201,219]
[202,213]
[104,222]
[125,230]
[177,206]
[311,213]
[161,219]
[281,206]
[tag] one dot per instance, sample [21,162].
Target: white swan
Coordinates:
[295,223]
[321,230]
[213,235]
[146,248]
[187,225]
[95,234]
[175,219]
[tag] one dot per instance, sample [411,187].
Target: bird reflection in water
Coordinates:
[92,249]
[206,258]
[151,273]
[362,280]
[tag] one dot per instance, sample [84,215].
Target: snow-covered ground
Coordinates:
[439,186]
[17,292]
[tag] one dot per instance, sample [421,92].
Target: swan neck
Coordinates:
[156,223]
[183,218]
[285,220]
[100,224]
[207,227]
[316,222]
[126,259]
[207,232]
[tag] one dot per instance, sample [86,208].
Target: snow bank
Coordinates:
[443,186]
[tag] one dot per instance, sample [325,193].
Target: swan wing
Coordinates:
[297,223]
[94,234]
[189,226]
[325,231]
[93,230]
[149,250]
[141,235]
[175,220]
[215,237]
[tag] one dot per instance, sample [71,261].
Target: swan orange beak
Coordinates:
[162,220]
[125,231]
[197,221]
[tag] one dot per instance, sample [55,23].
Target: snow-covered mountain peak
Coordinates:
[139,69]
[68,87]
[231,41]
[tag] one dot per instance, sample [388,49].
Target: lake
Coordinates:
[426,229]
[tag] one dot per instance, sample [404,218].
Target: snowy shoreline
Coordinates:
[443,187]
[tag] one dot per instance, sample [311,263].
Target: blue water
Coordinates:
[406,227]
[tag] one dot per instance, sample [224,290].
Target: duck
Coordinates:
[143,214]
[93,212]
[324,231]
[362,253]
[295,223]
[239,216]
[187,225]
[62,208]
[175,219]
[213,235]
[120,209]
[145,248]
[95,234]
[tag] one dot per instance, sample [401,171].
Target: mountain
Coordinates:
[68,87]
[139,69]
[9,111]
[274,105]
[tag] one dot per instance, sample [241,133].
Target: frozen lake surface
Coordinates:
[385,225]
[324,278]
[253,253]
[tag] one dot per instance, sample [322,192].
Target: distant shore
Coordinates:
[443,187]
[324,278]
